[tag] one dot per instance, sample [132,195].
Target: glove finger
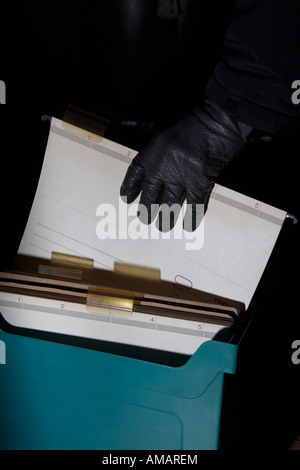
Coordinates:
[149,200]
[193,216]
[197,203]
[133,181]
[171,204]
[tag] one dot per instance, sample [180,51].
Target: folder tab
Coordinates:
[59,272]
[71,261]
[141,272]
[99,299]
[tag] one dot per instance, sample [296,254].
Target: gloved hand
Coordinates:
[183,162]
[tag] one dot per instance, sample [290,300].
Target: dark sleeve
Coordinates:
[260,62]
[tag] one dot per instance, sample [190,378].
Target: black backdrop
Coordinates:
[121,60]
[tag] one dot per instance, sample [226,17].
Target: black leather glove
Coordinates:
[183,162]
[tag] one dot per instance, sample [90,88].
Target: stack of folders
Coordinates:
[58,299]
[69,278]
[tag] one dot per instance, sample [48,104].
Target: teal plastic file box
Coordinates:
[61,396]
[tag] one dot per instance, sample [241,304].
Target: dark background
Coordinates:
[122,60]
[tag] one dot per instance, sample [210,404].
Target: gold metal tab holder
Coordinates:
[99,299]
[115,300]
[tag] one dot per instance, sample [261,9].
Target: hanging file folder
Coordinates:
[81,304]
[77,214]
